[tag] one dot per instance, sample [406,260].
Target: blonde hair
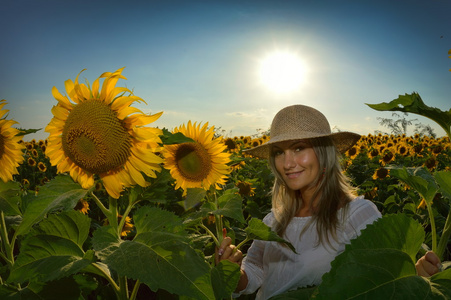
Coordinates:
[331,186]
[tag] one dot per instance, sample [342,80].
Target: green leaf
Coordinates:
[418,178]
[159,255]
[230,205]
[225,277]
[380,264]
[373,274]
[152,219]
[412,103]
[443,179]
[27,131]
[71,225]
[9,198]
[194,197]
[61,193]
[8,293]
[51,253]
[257,230]
[442,282]
[392,231]
[105,241]
[169,138]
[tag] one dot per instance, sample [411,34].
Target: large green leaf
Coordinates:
[257,230]
[412,103]
[225,277]
[373,274]
[418,178]
[230,205]
[194,197]
[50,253]
[159,256]
[380,264]
[443,179]
[9,198]
[392,232]
[61,193]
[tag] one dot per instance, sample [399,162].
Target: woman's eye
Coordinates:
[277,152]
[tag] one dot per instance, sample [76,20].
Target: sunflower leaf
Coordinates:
[193,197]
[225,277]
[53,250]
[380,264]
[169,138]
[412,103]
[230,205]
[443,179]
[61,193]
[159,255]
[257,230]
[9,198]
[418,178]
[27,131]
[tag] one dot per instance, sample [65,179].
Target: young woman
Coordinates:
[313,207]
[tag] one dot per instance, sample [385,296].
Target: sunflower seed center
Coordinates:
[193,161]
[94,138]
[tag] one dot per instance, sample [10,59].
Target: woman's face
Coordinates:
[297,163]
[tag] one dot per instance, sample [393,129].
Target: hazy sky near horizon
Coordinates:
[198,60]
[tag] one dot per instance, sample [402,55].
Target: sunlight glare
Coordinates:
[282,72]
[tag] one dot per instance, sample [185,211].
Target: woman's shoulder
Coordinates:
[360,213]
[362,208]
[269,218]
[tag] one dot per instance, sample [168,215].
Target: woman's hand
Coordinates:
[428,265]
[228,251]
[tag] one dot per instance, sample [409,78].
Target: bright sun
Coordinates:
[282,72]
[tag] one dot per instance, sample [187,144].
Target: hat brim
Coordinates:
[343,140]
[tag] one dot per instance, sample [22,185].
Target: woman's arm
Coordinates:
[229,252]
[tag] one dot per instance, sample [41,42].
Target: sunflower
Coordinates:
[82,206]
[100,134]
[31,162]
[198,164]
[42,167]
[380,173]
[10,146]
[245,188]
[353,152]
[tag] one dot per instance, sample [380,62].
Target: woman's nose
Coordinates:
[288,160]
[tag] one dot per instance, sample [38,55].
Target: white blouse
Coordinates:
[276,269]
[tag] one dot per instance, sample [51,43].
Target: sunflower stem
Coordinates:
[434,231]
[445,236]
[210,234]
[6,244]
[100,204]
[108,278]
[123,289]
[124,216]
[135,290]
[247,239]
[112,217]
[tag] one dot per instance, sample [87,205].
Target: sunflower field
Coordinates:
[109,207]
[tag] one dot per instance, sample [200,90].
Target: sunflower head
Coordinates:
[99,133]
[380,173]
[198,164]
[11,146]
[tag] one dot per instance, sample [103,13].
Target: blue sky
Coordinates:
[198,60]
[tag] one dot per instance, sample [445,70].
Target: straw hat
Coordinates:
[298,122]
